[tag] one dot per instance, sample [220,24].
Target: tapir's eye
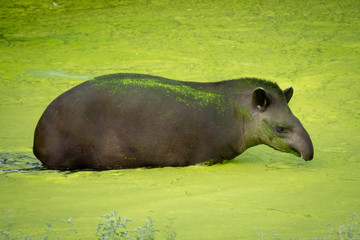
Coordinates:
[280,129]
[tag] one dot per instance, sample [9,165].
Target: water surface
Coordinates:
[314,46]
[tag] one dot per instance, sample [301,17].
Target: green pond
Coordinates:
[48,47]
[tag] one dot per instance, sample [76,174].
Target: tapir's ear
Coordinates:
[288,93]
[260,99]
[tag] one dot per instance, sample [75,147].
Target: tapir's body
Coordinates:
[135,120]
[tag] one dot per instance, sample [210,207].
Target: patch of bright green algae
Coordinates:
[176,89]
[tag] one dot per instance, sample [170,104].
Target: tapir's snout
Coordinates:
[303,145]
[309,153]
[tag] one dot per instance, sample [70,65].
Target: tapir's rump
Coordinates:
[136,120]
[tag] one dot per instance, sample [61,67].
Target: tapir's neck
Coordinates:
[249,134]
[241,96]
[250,137]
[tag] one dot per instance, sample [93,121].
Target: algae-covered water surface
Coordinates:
[48,47]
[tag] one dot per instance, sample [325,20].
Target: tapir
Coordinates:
[129,120]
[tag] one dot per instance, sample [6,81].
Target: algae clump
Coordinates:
[180,91]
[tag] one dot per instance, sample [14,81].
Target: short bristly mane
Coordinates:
[256,82]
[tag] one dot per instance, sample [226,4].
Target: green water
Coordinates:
[312,45]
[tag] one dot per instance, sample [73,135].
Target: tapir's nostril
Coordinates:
[307,158]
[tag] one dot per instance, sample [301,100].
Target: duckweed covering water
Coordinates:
[312,45]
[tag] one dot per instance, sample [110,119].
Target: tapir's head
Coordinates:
[275,125]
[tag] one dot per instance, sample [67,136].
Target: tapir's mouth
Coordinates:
[288,150]
[306,156]
[296,152]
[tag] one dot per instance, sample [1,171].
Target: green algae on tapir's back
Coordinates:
[219,95]
[121,83]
